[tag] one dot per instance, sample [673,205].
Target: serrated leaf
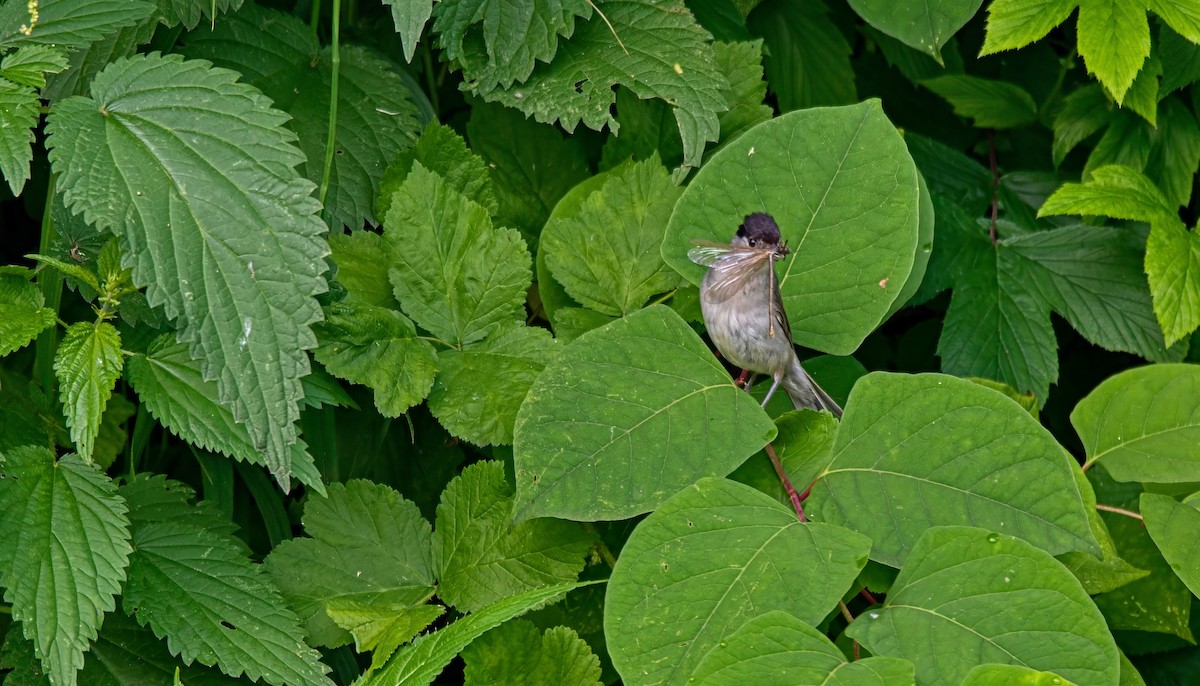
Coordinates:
[410,16]
[66,556]
[22,315]
[67,23]
[80,273]
[236,264]
[1173,268]
[482,559]
[453,273]
[1114,41]
[112,438]
[28,66]
[662,53]
[991,104]
[190,12]
[1175,153]
[170,384]
[607,254]
[1183,17]
[196,585]
[87,363]
[706,561]
[1083,113]
[518,654]
[381,628]
[1180,60]
[941,612]
[965,447]
[1014,24]
[605,409]
[924,26]
[1128,141]
[18,115]
[1143,95]
[87,61]
[647,127]
[808,58]
[368,545]
[443,152]
[1172,525]
[362,268]
[378,348]
[1115,191]
[741,63]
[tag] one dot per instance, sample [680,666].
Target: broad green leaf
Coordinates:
[480,558]
[1114,41]
[88,363]
[1014,24]
[18,115]
[514,36]
[443,152]
[655,49]
[1107,571]
[320,389]
[942,612]
[775,648]
[195,585]
[1012,675]
[222,234]
[1175,153]
[808,57]
[22,313]
[368,545]
[963,449]
[1183,17]
[278,54]
[952,176]
[832,178]
[1173,268]
[410,16]
[419,662]
[378,348]
[741,63]
[518,654]
[454,274]
[1084,112]
[925,241]
[924,26]
[171,386]
[626,416]
[1180,60]
[1144,424]
[362,268]
[479,390]
[990,104]
[1142,97]
[29,65]
[1173,526]
[606,255]
[67,23]
[381,628]
[706,561]
[65,556]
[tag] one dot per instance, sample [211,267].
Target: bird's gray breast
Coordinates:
[740,327]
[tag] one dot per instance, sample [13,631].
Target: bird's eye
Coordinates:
[753,242]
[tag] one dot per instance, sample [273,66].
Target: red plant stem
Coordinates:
[787,483]
[867,596]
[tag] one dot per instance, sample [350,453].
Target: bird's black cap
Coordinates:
[761,227]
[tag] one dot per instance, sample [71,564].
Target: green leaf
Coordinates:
[1175,153]
[1143,95]
[1183,17]
[80,273]
[609,431]
[831,177]
[1180,60]
[1128,141]
[706,561]
[22,315]
[443,152]
[941,613]
[990,104]
[924,26]
[808,57]
[481,559]
[170,385]
[776,648]
[1084,112]
[1103,573]
[419,662]
[378,348]
[741,63]
[1144,424]
[67,547]
[804,446]
[647,127]
[518,654]
[454,274]
[361,268]
[88,363]
[661,53]
[368,545]
[1115,191]
[479,390]
[67,23]
[381,628]
[28,66]
[87,61]
[1173,526]
[190,12]
[18,115]
[410,16]
[1114,41]
[1173,268]
[1012,675]
[964,446]
[196,585]
[1014,24]
[236,265]
[607,253]
[514,36]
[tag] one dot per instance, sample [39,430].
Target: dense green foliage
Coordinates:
[347,341]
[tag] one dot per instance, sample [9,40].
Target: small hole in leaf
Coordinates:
[227,625]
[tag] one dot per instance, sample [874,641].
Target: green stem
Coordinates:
[664,298]
[314,17]
[331,137]
[50,281]
[1118,510]
[430,81]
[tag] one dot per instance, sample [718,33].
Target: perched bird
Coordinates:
[743,310]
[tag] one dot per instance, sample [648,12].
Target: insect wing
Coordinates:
[732,273]
[707,253]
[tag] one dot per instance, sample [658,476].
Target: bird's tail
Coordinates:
[805,393]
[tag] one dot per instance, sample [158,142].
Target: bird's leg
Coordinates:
[778,378]
[743,379]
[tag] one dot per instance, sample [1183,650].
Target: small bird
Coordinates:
[743,309]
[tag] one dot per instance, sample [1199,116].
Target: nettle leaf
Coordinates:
[808,58]
[776,647]
[481,558]
[443,152]
[479,390]
[707,560]
[961,447]
[362,268]
[990,104]
[368,545]
[29,65]
[741,63]
[66,551]
[654,49]
[513,36]
[381,628]
[923,26]
[1173,525]
[607,254]
[518,654]
[22,312]
[88,363]
[941,613]
[67,23]
[190,12]
[221,232]
[195,585]
[277,53]
[600,434]
[18,115]
[410,16]
[171,386]
[378,348]
[1144,424]
[454,274]
[831,177]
